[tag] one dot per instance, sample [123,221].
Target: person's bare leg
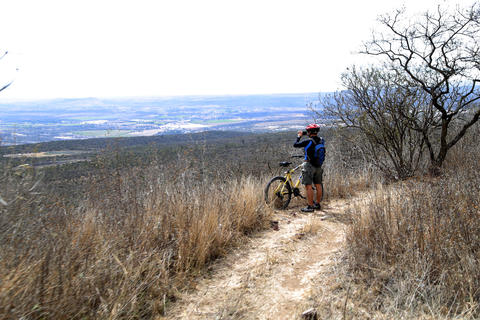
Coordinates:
[319,192]
[309,189]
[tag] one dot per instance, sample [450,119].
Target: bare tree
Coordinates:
[8,84]
[439,53]
[373,104]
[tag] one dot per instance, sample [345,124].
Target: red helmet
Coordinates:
[313,127]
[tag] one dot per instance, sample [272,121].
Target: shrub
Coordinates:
[418,243]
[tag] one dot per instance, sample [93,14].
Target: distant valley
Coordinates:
[68,119]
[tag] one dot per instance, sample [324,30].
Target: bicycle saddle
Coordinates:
[285,164]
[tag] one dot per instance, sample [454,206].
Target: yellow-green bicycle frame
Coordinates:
[288,179]
[280,189]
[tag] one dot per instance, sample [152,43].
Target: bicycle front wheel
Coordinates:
[278,193]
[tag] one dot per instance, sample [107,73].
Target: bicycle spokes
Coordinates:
[278,193]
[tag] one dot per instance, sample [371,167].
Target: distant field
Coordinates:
[46,154]
[102,133]
[217,121]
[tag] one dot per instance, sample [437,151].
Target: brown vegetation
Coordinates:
[125,251]
[140,234]
[123,240]
[413,248]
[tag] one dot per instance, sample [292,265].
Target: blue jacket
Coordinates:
[308,146]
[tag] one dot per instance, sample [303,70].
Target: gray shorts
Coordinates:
[311,174]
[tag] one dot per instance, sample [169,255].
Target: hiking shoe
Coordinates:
[308,209]
[317,206]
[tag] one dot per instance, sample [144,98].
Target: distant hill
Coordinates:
[67,119]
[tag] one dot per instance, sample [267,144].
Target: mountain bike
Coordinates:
[280,189]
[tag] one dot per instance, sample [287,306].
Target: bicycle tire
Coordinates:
[278,201]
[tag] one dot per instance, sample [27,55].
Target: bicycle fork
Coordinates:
[280,190]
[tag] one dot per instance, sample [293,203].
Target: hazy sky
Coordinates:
[107,48]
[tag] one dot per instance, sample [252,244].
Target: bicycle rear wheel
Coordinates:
[278,193]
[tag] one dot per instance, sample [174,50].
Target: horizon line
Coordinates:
[9,100]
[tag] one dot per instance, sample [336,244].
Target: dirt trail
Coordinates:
[271,276]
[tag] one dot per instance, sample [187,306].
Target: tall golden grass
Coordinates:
[137,239]
[416,245]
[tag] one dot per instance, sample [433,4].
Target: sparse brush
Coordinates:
[418,245]
[122,241]
[127,250]
[413,247]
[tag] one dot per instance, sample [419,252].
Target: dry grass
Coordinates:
[313,227]
[408,256]
[138,238]
[414,247]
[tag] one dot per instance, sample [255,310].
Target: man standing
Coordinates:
[312,172]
